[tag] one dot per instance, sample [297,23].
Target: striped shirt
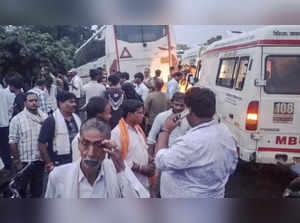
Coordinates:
[24,131]
[44,100]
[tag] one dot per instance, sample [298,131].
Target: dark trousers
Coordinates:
[34,178]
[4,147]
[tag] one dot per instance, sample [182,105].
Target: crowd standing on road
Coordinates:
[113,137]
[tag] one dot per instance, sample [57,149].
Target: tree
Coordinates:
[24,49]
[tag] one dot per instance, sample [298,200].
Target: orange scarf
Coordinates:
[125,137]
[125,142]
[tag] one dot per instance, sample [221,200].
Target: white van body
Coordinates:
[262,67]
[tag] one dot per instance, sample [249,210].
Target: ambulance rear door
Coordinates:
[279,106]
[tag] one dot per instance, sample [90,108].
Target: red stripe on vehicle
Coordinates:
[256,43]
[285,150]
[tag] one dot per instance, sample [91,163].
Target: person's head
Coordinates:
[158,84]
[201,102]
[133,111]
[92,134]
[41,83]
[31,102]
[72,73]
[94,74]
[16,84]
[45,70]
[98,107]
[157,73]
[177,102]
[147,72]
[129,91]
[113,80]
[178,76]
[66,102]
[124,76]
[138,78]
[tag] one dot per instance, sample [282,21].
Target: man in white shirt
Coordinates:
[75,86]
[24,131]
[177,107]
[100,173]
[6,105]
[173,84]
[131,139]
[140,87]
[93,88]
[199,163]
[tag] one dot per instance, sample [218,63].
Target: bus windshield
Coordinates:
[282,74]
[140,34]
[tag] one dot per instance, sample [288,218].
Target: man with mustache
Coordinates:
[23,139]
[100,173]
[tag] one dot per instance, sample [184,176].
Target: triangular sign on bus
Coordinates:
[125,53]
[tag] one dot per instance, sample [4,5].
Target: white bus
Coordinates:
[128,48]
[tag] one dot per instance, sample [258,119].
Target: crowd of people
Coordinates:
[114,137]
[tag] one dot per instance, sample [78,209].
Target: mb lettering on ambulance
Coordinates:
[283,113]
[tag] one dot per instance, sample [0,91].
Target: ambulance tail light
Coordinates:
[252,116]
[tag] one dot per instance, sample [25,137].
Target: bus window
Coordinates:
[140,34]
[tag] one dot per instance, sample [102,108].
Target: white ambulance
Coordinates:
[256,78]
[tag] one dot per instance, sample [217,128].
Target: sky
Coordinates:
[197,34]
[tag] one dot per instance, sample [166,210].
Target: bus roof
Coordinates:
[269,35]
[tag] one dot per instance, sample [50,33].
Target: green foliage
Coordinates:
[25,49]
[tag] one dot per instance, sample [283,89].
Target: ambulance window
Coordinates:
[226,71]
[241,73]
[282,74]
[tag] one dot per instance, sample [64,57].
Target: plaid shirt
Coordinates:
[44,100]
[24,131]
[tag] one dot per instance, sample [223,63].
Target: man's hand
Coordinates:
[171,123]
[115,154]
[148,170]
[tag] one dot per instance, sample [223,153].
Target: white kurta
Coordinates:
[137,150]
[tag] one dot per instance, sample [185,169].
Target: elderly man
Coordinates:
[199,163]
[100,173]
[23,139]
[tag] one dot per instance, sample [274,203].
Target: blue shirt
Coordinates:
[199,163]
